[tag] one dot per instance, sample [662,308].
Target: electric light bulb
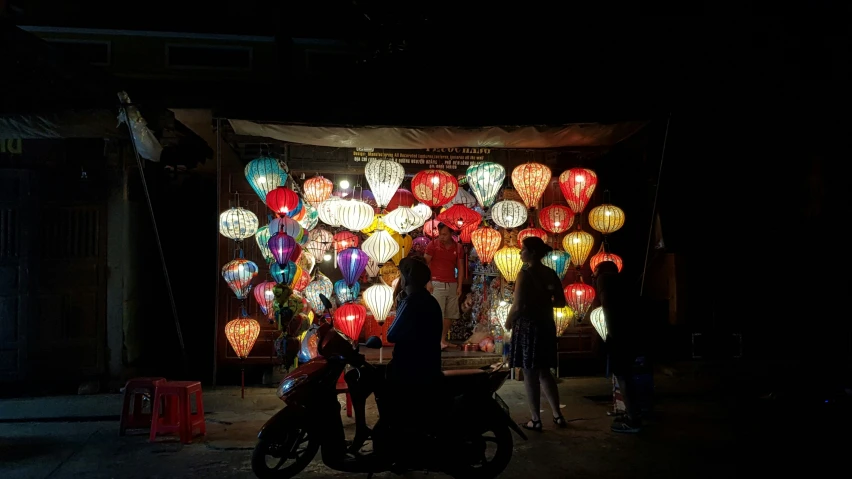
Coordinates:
[344,184]
[557,224]
[261,179]
[554,257]
[502,303]
[350,317]
[435,180]
[576,240]
[607,213]
[326,257]
[579,293]
[580,178]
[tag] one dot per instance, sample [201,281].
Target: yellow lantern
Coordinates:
[509,263]
[562,317]
[578,244]
[599,322]
[606,218]
[389,272]
[242,334]
[377,224]
[405,244]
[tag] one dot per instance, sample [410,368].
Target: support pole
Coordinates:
[242,383]
[654,207]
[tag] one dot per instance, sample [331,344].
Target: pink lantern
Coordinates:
[579,296]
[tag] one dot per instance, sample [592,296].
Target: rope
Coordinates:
[654,208]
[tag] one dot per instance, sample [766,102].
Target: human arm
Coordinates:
[557,293]
[517,305]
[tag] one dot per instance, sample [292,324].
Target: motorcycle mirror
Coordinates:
[373,342]
[327,303]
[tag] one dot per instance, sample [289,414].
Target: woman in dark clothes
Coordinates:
[537,291]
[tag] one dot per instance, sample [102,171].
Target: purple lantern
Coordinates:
[352,262]
[420,243]
[282,246]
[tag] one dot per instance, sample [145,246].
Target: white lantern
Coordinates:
[379,298]
[320,241]
[509,214]
[384,178]
[423,211]
[320,286]
[380,246]
[238,224]
[372,268]
[327,211]
[462,198]
[317,249]
[403,220]
[355,215]
[599,322]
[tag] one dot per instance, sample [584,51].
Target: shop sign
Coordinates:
[450,159]
[12,146]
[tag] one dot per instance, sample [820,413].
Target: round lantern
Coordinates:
[242,334]
[380,246]
[344,240]
[327,211]
[422,210]
[434,187]
[577,185]
[606,218]
[598,320]
[352,262]
[509,214]
[389,272]
[508,260]
[579,296]
[462,198]
[262,237]
[420,243]
[321,236]
[556,218]
[238,224]
[238,274]
[320,286]
[264,175]
[578,244]
[379,299]
[430,228]
[378,223]
[457,216]
[466,232]
[282,200]
[562,317]
[265,297]
[310,219]
[602,256]
[283,247]
[355,215]
[402,197]
[372,268]
[349,318]
[486,241]
[317,249]
[317,189]
[346,293]
[307,261]
[384,178]
[405,245]
[485,180]
[557,261]
[403,220]
[530,180]
[277,272]
[301,281]
[530,232]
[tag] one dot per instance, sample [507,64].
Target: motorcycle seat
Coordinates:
[464,372]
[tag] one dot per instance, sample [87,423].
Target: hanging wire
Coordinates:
[654,207]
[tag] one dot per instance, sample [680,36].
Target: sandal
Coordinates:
[560,421]
[536,426]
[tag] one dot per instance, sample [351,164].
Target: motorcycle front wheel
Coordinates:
[285,456]
[490,453]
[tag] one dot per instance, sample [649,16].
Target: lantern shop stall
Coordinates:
[302,218]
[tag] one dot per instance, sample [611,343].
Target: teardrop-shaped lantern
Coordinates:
[420,243]
[355,215]
[606,218]
[464,198]
[322,237]
[301,281]
[508,260]
[530,180]
[557,261]
[562,317]
[262,237]
[289,272]
[434,187]
[317,189]
[384,178]
[320,286]
[598,320]
[405,245]
[349,318]
[277,272]
[282,200]
[327,211]
[578,244]
[458,216]
[352,262]
[422,210]
[372,268]
[283,247]
[486,180]
[317,249]
[346,293]
[509,214]
[556,218]
[486,241]
[579,296]
[577,185]
[238,224]
[379,299]
[264,175]
[403,220]
[265,297]
[307,261]
[402,197]
[242,334]
[380,246]
[602,256]
[388,273]
[345,239]
[238,274]
[532,232]
[311,218]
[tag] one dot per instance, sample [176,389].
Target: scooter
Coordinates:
[476,441]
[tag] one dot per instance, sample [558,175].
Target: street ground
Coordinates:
[699,429]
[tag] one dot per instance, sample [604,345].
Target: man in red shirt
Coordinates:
[444,256]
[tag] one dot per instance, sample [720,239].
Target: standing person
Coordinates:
[620,308]
[444,256]
[537,291]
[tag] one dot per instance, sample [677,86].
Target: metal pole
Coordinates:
[654,208]
[218,253]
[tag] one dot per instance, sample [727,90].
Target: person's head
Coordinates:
[533,249]
[414,274]
[445,233]
[605,267]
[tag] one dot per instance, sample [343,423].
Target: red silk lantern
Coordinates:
[317,189]
[556,218]
[458,216]
[486,241]
[242,334]
[345,239]
[530,180]
[402,197]
[430,228]
[349,319]
[577,185]
[602,256]
[466,232]
[434,187]
[264,296]
[579,296]
[530,232]
[282,200]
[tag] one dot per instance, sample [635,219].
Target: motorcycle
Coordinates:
[476,418]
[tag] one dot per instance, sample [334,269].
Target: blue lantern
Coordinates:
[346,293]
[486,181]
[557,261]
[264,175]
[277,272]
[297,209]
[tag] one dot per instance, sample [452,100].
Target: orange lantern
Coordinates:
[577,185]
[537,232]
[459,216]
[486,241]
[579,296]
[606,218]
[602,256]
[531,179]
[466,232]
[556,218]
[345,239]
[434,187]
[317,189]
[349,319]
[242,334]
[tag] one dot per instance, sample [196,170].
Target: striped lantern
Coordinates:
[355,215]
[556,218]
[380,246]
[577,185]
[384,178]
[508,214]
[486,180]
[579,296]
[530,232]
[317,189]
[434,187]
[606,218]
[264,175]
[530,180]
[578,244]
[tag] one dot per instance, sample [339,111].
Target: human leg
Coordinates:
[532,384]
[548,383]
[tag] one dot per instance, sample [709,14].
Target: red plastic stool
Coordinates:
[341,388]
[135,390]
[177,416]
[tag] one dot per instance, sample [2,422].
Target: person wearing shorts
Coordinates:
[444,257]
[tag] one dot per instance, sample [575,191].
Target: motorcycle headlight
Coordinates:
[289,384]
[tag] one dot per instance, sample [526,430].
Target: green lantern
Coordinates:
[262,236]
[485,180]
[264,175]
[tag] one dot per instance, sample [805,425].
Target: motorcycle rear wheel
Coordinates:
[297,445]
[501,437]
